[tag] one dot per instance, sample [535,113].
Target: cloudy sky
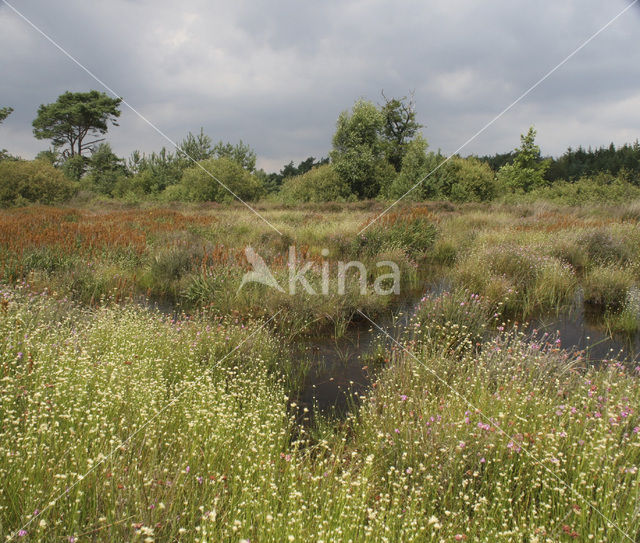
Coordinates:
[276,74]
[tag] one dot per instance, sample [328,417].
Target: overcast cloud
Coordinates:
[276,74]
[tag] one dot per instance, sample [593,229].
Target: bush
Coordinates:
[473,181]
[458,179]
[416,164]
[33,181]
[601,189]
[512,178]
[321,184]
[198,185]
[74,167]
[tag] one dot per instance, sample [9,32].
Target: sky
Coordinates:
[276,74]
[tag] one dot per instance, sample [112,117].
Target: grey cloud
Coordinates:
[276,74]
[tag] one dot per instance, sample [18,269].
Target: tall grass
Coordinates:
[508,441]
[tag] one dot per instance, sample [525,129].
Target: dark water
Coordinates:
[339,368]
[578,331]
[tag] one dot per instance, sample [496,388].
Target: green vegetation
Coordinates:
[529,259]
[204,183]
[377,152]
[321,184]
[149,393]
[119,424]
[34,181]
[73,117]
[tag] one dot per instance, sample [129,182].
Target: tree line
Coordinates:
[378,151]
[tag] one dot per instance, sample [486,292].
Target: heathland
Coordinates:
[145,396]
[149,392]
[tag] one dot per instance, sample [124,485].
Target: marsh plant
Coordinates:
[120,424]
[383,285]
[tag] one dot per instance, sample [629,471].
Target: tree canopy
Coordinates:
[370,143]
[527,172]
[73,117]
[400,127]
[5,112]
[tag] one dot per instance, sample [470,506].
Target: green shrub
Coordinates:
[32,181]
[175,193]
[74,167]
[473,181]
[203,183]
[321,184]
[416,166]
[599,189]
[512,178]
[457,179]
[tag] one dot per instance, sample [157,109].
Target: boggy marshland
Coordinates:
[145,397]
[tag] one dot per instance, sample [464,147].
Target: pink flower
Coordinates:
[513,447]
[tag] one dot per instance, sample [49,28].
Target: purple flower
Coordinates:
[403,397]
[22,533]
[513,447]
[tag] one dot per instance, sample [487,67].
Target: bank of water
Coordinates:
[339,369]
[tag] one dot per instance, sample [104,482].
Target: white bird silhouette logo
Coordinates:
[261,272]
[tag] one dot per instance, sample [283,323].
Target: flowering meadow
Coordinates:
[119,422]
